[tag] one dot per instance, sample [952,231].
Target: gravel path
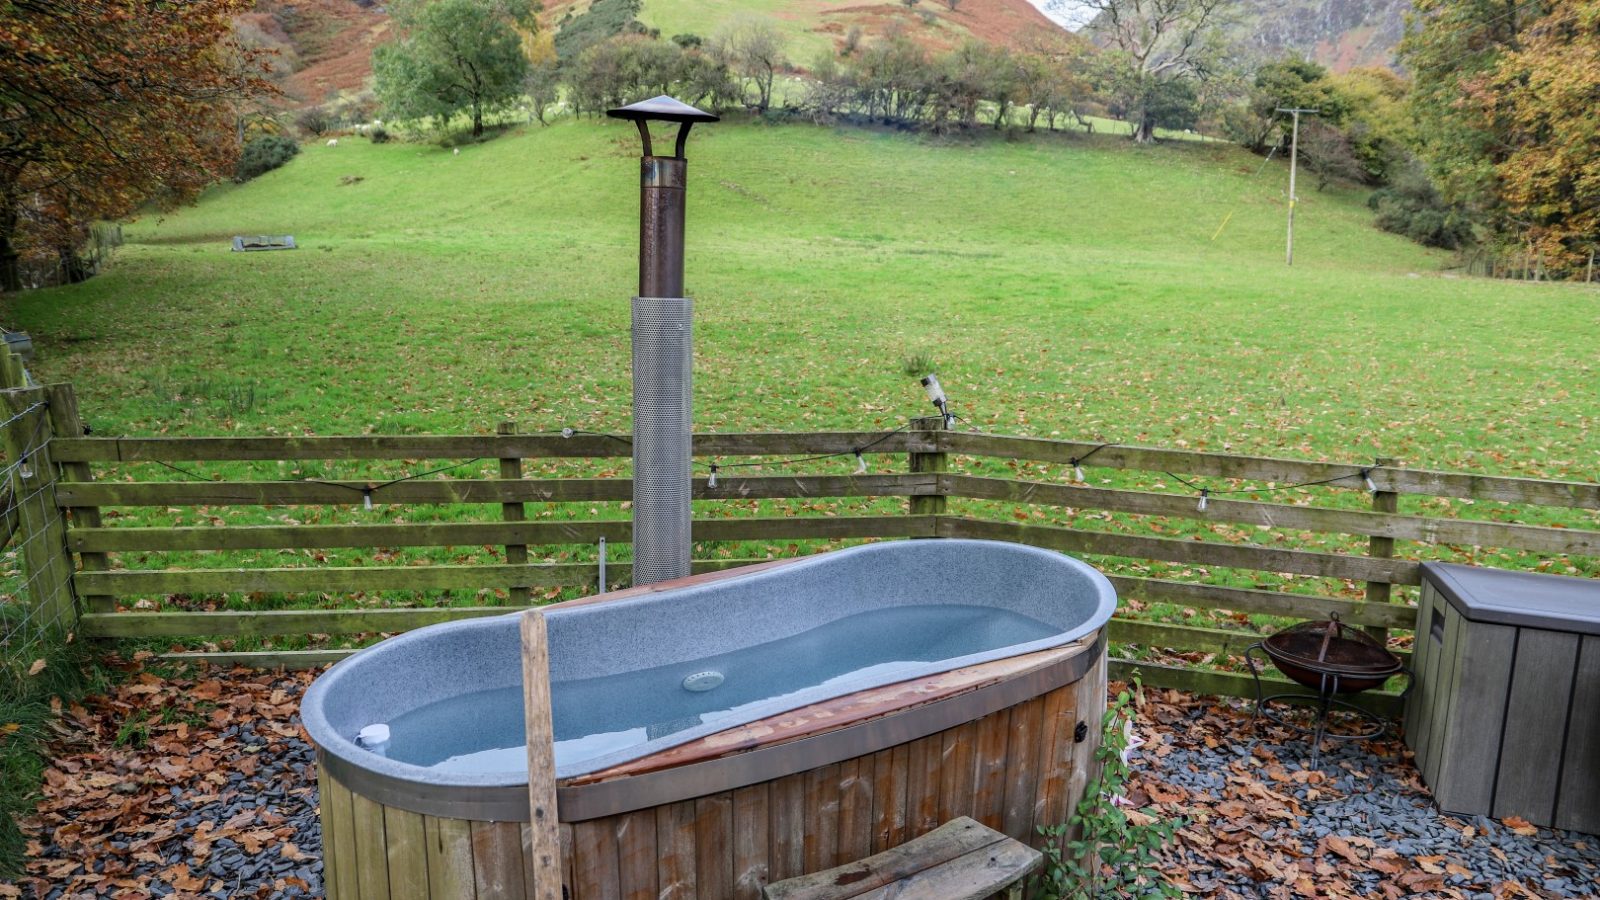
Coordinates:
[205,787]
[1363,825]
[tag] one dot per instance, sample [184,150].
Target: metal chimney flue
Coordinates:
[662,352]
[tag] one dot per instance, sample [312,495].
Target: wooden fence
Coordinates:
[37,604]
[1352,548]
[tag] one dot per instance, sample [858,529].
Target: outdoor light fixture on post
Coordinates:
[662,352]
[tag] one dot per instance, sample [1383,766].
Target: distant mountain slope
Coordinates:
[1340,34]
[325,45]
[816,26]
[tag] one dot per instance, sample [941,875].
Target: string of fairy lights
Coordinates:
[936,396]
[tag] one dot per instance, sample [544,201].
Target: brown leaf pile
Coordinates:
[108,823]
[1224,831]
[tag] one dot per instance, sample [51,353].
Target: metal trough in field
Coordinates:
[254,242]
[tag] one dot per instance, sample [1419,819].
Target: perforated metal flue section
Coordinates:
[662,392]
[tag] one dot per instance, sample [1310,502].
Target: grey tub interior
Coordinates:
[1064,599]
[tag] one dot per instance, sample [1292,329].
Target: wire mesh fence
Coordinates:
[37,607]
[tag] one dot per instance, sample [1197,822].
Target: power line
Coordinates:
[1259,169]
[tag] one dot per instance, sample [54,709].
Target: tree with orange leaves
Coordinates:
[1504,96]
[106,105]
[1541,101]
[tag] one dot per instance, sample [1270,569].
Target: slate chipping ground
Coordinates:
[181,787]
[1263,825]
[204,786]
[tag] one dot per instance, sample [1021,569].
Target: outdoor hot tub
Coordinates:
[719,732]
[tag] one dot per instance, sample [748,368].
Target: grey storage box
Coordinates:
[1505,720]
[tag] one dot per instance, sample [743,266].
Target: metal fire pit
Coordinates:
[1331,660]
[1325,656]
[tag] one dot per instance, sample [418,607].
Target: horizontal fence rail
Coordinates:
[431,534]
[486,446]
[1576,494]
[122,555]
[486,490]
[1279,515]
[1236,556]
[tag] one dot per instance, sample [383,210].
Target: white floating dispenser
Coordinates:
[374,738]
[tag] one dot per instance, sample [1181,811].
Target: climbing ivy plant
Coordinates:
[1113,856]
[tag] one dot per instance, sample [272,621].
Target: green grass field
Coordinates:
[1062,286]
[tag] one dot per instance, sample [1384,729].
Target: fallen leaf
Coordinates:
[1388,865]
[207,690]
[1165,793]
[1139,818]
[1342,847]
[37,667]
[1519,825]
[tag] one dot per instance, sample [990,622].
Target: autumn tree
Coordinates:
[1328,151]
[753,47]
[1451,47]
[631,67]
[1539,104]
[1156,50]
[1292,82]
[1049,77]
[1380,126]
[106,105]
[454,56]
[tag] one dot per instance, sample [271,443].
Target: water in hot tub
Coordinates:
[482,732]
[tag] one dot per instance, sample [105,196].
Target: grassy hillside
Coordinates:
[324,46]
[1061,286]
[814,27]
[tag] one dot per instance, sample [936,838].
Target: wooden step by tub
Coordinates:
[959,860]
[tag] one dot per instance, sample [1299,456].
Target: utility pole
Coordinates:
[1294,159]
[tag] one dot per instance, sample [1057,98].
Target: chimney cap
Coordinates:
[661,109]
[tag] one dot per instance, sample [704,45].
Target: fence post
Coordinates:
[12,374]
[41,533]
[928,504]
[516,554]
[65,421]
[1382,548]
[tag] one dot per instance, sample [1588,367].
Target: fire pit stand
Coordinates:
[1325,658]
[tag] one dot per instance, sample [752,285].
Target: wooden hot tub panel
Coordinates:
[1014,769]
